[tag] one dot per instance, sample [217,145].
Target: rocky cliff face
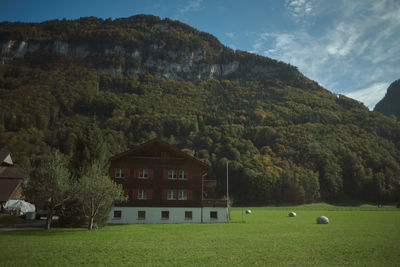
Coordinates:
[389,105]
[180,66]
[154,56]
[13,49]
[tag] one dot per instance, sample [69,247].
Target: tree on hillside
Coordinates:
[90,149]
[97,194]
[49,184]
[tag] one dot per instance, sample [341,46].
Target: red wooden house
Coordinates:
[163,185]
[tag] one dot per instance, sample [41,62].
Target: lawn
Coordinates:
[364,235]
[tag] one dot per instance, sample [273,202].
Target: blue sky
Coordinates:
[350,47]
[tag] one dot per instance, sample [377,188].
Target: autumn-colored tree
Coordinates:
[49,184]
[97,194]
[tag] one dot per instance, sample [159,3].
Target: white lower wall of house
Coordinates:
[129,215]
[222,215]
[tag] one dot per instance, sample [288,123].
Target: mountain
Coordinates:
[389,105]
[138,45]
[287,139]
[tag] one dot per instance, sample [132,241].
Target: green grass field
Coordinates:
[362,235]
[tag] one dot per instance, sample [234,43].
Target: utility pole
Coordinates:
[227,181]
[227,190]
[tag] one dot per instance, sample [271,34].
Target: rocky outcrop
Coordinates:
[15,49]
[180,65]
[389,105]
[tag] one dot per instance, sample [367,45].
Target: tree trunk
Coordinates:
[49,218]
[90,224]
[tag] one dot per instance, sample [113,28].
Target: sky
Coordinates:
[350,47]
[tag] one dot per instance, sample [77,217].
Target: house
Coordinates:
[11,178]
[163,185]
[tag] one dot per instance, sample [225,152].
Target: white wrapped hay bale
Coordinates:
[248,211]
[322,220]
[292,214]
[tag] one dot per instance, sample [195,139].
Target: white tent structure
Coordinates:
[19,206]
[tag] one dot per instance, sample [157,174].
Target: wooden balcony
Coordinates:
[214,203]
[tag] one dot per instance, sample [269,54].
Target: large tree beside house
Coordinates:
[84,190]
[97,194]
[50,185]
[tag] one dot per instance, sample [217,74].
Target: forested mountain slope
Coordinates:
[390,103]
[287,139]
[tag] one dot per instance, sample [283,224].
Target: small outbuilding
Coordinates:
[19,206]
[11,178]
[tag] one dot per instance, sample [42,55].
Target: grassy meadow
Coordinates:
[364,235]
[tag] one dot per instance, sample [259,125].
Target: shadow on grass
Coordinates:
[40,231]
[236,221]
[120,224]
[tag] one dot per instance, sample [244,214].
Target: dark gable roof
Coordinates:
[12,172]
[167,146]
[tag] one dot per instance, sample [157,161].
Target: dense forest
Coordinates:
[287,139]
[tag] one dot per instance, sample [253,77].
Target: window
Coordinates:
[188,215]
[182,195]
[183,175]
[141,215]
[117,214]
[177,195]
[172,174]
[142,194]
[143,174]
[172,195]
[165,215]
[119,173]
[213,215]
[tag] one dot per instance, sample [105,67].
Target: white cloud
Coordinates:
[299,8]
[193,5]
[370,95]
[342,40]
[357,50]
